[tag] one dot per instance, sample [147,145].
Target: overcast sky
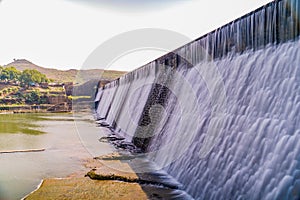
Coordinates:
[63,33]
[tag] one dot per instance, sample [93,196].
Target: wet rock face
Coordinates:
[110,139]
[120,143]
[103,124]
[151,116]
[158,96]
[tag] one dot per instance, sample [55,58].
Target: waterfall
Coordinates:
[220,114]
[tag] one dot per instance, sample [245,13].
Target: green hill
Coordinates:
[72,75]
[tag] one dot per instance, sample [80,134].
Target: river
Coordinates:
[67,139]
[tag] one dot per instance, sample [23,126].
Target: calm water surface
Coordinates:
[68,139]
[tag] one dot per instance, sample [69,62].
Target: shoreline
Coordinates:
[42,108]
[56,188]
[32,111]
[110,176]
[37,188]
[111,179]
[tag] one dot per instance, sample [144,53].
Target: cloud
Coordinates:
[131,5]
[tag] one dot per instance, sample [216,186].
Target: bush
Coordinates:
[33,97]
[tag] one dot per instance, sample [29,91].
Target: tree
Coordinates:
[9,73]
[33,97]
[32,76]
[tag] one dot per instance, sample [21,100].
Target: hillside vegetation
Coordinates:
[72,75]
[20,87]
[24,84]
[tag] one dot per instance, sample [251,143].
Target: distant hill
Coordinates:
[72,75]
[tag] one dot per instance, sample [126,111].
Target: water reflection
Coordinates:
[20,123]
[20,173]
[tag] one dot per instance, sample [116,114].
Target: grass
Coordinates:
[78,97]
[12,106]
[5,90]
[47,90]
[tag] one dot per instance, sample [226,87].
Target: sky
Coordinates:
[63,34]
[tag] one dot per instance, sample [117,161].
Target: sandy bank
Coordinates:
[99,180]
[79,186]
[85,188]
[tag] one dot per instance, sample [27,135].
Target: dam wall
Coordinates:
[220,114]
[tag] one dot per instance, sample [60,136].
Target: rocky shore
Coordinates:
[107,177]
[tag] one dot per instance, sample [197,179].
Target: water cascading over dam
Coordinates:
[222,113]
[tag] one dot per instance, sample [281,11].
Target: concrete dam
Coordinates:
[220,114]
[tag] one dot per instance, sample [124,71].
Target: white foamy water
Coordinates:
[221,114]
